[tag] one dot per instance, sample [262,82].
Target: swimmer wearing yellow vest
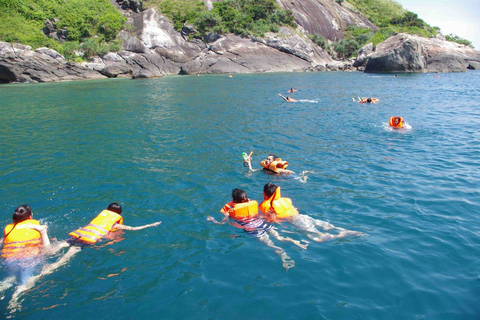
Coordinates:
[279,209]
[396,122]
[25,238]
[107,221]
[272,165]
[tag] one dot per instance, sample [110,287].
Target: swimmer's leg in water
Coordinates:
[277,236]
[47,269]
[287,264]
[322,237]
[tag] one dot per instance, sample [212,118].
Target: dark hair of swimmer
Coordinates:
[272,155]
[269,189]
[22,213]
[239,196]
[115,207]
[369,100]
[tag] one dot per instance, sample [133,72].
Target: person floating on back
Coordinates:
[244,212]
[288,99]
[280,209]
[271,165]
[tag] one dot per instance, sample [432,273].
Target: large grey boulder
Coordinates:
[362,55]
[20,63]
[408,53]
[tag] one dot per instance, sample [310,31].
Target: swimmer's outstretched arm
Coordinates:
[124,227]
[283,97]
[212,219]
[250,165]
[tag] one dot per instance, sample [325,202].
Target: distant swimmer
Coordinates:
[292,90]
[271,165]
[280,209]
[367,100]
[396,122]
[230,76]
[288,99]
[244,212]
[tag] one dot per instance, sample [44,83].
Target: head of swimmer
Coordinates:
[269,190]
[396,121]
[115,207]
[22,213]
[239,196]
[369,100]
[270,158]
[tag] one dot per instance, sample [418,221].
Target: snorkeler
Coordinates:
[280,209]
[244,212]
[288,99]
[271,165]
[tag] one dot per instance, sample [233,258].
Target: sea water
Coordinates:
[170,149]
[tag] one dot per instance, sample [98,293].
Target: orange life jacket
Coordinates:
[282,207]
[240,211]
[20,241]
[275,165]
[391,122]
[98,227]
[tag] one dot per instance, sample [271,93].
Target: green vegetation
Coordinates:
[454,38]
[242,17]
[87,21]
[390,17]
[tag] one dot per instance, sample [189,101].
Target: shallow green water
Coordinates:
[170,149]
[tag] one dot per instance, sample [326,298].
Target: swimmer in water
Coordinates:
[244,213]
[278,209]
[271,165]
[292,90]
[288,99]
[25,242]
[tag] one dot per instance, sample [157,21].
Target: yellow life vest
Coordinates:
[21,242]
[282,207]
[240,211]
[275,165]
[98,227]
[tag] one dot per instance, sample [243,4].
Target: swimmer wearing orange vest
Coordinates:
[279,209]
[396,122]
[25,238]
[244,211]
[107,221]
[272,165]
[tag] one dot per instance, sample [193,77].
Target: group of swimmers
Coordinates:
[25,240]
[257,220]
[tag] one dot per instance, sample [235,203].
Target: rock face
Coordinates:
[156,49]
[19,63]
[325,17]
[408,53]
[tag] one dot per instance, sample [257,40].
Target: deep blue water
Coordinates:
[170,149]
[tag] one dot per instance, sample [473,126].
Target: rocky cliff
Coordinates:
[156,49]
[408,53]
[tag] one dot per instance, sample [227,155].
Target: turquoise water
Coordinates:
[170,149]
